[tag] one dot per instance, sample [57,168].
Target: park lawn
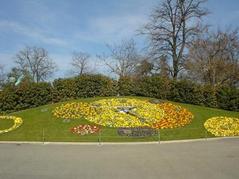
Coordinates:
[40,125]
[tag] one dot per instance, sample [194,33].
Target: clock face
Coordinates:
[126,113]
[123,112]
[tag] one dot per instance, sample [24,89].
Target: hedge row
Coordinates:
[28,95]
[183,91]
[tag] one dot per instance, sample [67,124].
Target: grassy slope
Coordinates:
[39,123]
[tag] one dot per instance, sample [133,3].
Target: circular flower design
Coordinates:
[123,112]
[126,113]
[175,116]
[17,123]
[222,126]
[85,129]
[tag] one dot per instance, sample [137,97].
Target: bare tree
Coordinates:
[36,62]
[214,58]
[172,26]
[80,63]
[123,58]
[144,68]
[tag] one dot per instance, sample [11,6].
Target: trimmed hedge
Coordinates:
[155,87]
[228,98]
[25,96]
[183,91]
[28,94]
[82,87]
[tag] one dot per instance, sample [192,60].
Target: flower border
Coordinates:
[17,123]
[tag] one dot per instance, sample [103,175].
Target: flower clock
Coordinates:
[85,129]
[123,112]
[222,126]
[17,123]
[126,113]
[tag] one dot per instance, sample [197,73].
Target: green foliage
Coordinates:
[228,98]
[83,86]
[26,95]
[8,99]
[126,86]
[29,94]
[94,85]
[155,86]
[209,96]
[64,89]
[186,92]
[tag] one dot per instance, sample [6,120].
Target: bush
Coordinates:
[33,95]
[209,96]
[186,92]
[228,98]
[64,89]
[155,87]
[26,95]
[126,86]
[8,99]
[94,85]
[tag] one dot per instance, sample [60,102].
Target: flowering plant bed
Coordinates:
[73,110]
[37,123]
[17,123]
[124,112]
[175,116]
[222,126]
[85,129]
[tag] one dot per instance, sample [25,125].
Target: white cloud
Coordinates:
[31,32]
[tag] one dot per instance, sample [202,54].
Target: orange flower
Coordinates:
[175,116]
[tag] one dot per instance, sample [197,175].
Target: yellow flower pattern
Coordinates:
[222,126]
[124,112]
[17,123]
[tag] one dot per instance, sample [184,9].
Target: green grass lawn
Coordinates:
[39,125]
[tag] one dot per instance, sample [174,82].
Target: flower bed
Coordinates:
[222,126]
[73,111]
[123,112]
[127,113]
[17,123]
[85,129]
[175,116]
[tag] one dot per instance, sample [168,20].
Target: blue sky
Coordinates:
[64,26]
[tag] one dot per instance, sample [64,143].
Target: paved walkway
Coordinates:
[200,159]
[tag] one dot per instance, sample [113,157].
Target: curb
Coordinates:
[117,143]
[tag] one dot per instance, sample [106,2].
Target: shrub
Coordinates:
[186,92]
[126,86]
[8,99]
[64,89]
[94,85]
[209,96]
[24,96]
[155,86]
[228,98]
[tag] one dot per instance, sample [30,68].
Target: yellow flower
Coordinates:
[17,123]
[222,126]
